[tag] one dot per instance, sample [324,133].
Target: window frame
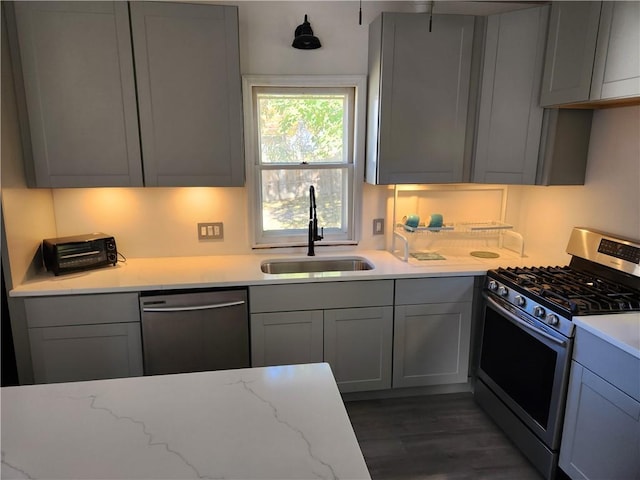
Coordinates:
[355,167]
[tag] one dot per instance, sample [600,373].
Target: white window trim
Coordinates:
[359,82]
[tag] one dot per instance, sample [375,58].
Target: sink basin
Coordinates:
[303,265]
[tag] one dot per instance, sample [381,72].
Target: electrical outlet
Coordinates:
[210,231]
[378,226]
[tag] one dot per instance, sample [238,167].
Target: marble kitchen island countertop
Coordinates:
[276,422]
[144,274]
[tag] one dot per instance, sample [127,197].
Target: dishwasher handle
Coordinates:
[193,308]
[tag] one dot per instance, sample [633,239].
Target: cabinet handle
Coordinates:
[196,307]
[491,303]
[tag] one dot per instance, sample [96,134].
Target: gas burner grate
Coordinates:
[571,290]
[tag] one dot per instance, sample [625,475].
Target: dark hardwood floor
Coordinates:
[436,437]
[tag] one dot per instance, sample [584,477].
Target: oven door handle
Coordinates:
[510,316]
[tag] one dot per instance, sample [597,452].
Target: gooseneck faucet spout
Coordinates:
[313,223]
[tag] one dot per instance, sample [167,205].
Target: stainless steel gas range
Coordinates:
[527,335]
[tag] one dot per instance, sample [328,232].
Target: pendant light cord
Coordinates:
[431,3]
[360,14]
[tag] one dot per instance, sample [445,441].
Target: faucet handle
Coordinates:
[321,236]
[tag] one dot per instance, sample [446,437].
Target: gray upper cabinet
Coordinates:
[593,53]
[616,72]
[573,32]
[510,120]
[189,94]
[419,84]
[84,97]
[517,141]
[80,100]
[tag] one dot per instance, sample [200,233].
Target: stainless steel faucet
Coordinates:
[313,223]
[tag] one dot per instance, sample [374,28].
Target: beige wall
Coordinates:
[27,213]
[162,221]
[609,200]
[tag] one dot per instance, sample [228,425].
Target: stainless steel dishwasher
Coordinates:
[196,331]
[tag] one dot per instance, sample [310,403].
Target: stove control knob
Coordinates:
[553,320]
[502,291]
[539,312]
[493,285]
[521,301]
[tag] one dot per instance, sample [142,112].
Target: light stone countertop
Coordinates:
[143,274]
[276,422]
[621,330]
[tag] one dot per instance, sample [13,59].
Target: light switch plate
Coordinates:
[210,231]
[378,226]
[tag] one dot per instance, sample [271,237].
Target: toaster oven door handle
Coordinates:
[518,321]
[71,255]
[192,308]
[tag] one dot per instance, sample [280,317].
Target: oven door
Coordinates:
[526,364]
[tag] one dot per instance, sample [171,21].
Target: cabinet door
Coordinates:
[616,72]
[431,344]
[77,72]
[421,85]
[510,120]
[357,345]
[286,338]
[86,352]
[188,78]
[571,47]
[601,436]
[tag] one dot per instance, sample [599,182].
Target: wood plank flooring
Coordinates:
[435,437]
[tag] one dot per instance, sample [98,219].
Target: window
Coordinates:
[303,131]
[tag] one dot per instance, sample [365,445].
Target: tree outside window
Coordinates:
[303,135]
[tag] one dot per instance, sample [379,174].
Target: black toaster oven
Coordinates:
[79,252]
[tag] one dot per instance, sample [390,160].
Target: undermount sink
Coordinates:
[304,265]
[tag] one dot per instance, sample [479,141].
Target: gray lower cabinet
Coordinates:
[105,94]
[418,98]
[601,437]
[357,345]
[84,337]
[601,434]
[86,352]
[347,324]
[432,331]
[593,53]
[286,338]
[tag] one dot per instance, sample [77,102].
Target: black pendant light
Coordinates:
[304,38]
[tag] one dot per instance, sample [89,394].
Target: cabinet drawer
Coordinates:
[434,290]
[82,309]
[320,296]
[618,367]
